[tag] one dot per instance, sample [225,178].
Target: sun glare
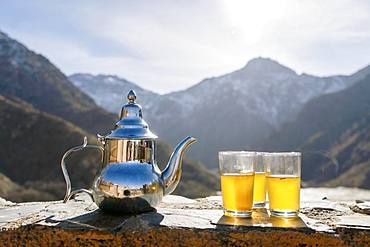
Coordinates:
[253,19]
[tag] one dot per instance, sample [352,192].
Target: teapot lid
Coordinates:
[131,124]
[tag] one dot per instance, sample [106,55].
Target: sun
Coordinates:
[253,19]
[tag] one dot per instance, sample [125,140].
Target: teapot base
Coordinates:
[127,205]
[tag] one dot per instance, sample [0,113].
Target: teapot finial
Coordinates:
[131,124]
[131,96]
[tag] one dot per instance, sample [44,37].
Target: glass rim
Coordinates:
[295,154]
[246,153]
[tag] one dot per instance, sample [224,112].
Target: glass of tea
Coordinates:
[237,179]
[259,191]
[283,183]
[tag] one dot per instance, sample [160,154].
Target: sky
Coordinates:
[166,46]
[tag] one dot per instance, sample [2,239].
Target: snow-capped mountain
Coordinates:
[109,91]
[232,111]
[264,87]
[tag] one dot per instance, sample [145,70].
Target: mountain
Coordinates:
[109,91]
[333,132]
[34,79]
[233,111]
[42,115]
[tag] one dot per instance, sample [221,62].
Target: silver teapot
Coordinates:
[129,180]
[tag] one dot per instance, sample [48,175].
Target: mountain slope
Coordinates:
[16,193]
[357,176]
[333,131]
[351,153]
[233,111]
[32,78]
[33,143]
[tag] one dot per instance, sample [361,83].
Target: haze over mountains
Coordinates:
[42,115]
[233,111]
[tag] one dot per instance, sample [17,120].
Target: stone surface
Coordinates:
[329,217]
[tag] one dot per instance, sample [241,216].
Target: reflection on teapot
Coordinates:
[129,180]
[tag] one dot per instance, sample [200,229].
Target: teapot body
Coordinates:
[130,180]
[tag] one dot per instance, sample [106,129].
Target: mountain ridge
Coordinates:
[265,93]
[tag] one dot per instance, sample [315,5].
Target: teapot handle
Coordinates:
[70,193]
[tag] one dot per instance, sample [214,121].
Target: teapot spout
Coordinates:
[172,173]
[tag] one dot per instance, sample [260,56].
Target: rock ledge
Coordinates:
[186,222]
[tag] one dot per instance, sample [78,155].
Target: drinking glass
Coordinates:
[237,179]
[283,183]
[259,191]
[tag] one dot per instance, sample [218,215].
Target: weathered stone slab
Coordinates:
[323,221]
[361,207]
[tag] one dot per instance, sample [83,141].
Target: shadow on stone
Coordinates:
[128,205]
[100,220]
[260,218]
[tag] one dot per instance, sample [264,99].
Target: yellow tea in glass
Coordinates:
[259,191]
[237,191]
[284,192]
[237,179]
[283,183]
